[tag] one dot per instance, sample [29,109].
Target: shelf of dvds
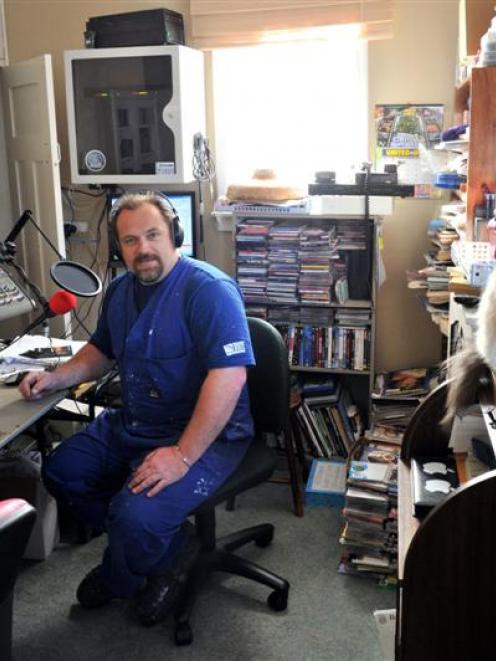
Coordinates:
[313,277]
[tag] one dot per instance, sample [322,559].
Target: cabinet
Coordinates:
[446,568]
[313,277]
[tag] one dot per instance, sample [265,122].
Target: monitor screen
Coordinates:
[184,205]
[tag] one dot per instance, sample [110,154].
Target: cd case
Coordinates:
[433,478]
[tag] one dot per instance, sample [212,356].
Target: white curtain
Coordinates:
[218,23]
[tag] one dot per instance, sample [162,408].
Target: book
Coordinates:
[363,471]
[404,383]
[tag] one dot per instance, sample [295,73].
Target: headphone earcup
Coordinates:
[114,247]
[177,230]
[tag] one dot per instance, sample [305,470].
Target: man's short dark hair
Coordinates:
[132,201]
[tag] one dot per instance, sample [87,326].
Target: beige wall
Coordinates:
[417,65]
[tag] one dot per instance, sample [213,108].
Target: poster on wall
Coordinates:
[406,135]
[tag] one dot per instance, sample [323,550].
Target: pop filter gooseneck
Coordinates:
[71,276]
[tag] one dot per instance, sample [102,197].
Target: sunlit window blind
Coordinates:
[296,107]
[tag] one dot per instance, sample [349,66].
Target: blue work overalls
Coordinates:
[161,376]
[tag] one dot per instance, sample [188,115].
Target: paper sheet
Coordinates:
[11,361]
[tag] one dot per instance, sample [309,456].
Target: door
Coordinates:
[33,156]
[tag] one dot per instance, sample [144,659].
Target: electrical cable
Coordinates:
[203,160]
[203,170]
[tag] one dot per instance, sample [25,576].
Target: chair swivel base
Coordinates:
[222,559]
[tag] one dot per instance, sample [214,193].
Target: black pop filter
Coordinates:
[76,278]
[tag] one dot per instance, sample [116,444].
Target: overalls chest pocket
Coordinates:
[160,390]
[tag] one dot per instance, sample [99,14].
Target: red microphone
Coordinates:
[59,303]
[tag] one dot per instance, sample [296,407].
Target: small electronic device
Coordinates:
[433,478]
[13,300]
[184,204]
[151,27]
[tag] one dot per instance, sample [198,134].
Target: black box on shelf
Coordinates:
[152,27]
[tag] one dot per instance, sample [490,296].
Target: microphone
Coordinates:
[59,303]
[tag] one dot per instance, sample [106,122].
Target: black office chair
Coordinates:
[268,385]
[17,518]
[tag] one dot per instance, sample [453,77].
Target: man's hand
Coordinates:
[36,385]
[160,468]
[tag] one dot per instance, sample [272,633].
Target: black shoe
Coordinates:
[161,591]
[157,598]
[91,592]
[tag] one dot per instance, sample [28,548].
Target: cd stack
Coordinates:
[252,260]
[317,248]
[370,533]
[351,235]
[282,281]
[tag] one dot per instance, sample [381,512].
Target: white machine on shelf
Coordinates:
[132,113]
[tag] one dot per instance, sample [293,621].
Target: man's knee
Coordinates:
[135,515]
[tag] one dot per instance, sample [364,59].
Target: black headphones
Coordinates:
[165,205]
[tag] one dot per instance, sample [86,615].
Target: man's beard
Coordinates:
[154,271]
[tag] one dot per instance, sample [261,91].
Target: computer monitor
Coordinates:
[184,205]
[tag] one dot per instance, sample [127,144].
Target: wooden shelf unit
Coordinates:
[482,149]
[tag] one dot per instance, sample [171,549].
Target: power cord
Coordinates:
[203,160]
[203,170]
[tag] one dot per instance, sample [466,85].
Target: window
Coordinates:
[296,107]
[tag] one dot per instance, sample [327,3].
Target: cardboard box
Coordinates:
[326,483]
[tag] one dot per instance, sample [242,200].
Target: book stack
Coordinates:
[395,397]
[252,258]
[432,282]
[370,532]
[317,249]
[328,421]
[283,269]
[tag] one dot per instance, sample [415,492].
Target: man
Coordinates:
[177,329]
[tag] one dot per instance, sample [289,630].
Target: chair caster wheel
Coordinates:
[183,635]
[264,541]
[278,600]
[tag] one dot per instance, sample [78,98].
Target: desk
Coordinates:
[17,414]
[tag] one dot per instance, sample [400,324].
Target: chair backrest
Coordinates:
[268,381]
[424,435]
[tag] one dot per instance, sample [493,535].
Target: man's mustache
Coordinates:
[145,257]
